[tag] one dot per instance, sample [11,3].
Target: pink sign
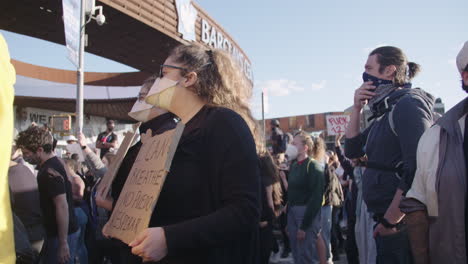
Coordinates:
[337,124]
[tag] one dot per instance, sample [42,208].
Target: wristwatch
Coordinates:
[83,147]
[387,224]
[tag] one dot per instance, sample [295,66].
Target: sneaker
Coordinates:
[274,257]
[285,254]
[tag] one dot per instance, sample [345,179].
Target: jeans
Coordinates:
[304,252]
[51,246]
[81,250]
[365,235]
[326,222]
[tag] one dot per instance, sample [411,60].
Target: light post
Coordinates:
[87,8]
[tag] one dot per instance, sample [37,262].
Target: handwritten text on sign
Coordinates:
[337,124]
[106,182]
[141,191]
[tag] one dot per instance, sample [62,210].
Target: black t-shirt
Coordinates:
[106,137]
[52,181]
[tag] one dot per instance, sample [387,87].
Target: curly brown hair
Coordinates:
[220,82]
[34,138]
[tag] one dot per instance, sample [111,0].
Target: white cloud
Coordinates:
[281,87]
[319,86]
[369,49]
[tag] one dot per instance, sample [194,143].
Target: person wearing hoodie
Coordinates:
[439,188]
[401,115]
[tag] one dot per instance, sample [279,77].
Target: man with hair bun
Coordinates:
[55,196]
[439,188]
[401,115]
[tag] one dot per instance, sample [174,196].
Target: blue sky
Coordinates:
[309,55]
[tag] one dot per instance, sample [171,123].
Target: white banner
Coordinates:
[71,22]
[337,124]
[187,15]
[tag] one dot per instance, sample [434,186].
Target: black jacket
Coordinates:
[412,115]
[209,205]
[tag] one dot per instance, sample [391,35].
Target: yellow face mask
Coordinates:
[161,94]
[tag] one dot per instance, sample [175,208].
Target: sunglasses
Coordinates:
[169,66]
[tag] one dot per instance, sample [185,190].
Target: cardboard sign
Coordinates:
[108,178]
[141,191]
[337,124]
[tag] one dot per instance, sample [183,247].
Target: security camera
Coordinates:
[100,19]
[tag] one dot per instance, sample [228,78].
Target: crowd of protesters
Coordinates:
[386,197]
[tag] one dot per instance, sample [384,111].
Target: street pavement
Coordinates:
[289,260]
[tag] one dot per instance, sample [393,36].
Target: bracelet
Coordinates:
[387,224]
[83,147]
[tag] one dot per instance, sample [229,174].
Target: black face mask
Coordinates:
[464,86]
[375,81]
[31,160]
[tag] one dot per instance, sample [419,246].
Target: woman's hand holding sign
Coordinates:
[150,244]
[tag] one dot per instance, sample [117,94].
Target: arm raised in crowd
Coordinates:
[91,158]
[355,140]
[346,163]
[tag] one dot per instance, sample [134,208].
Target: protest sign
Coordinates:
[141,191]
[71,22]
[337,124]
[104,185]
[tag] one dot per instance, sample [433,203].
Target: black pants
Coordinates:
[283,223]
[394,249]
[336,239]
[266,243]
[352,253]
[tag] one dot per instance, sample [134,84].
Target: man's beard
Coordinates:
[32,161]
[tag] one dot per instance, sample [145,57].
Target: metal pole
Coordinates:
[80,73]
[263,116]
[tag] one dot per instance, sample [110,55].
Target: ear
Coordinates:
[465,77]
[190,79]
[39,150]
[390,71]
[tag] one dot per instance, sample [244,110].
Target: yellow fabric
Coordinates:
[7,79]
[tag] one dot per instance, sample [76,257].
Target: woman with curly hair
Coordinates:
[209,207]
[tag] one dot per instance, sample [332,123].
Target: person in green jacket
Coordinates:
[305,197]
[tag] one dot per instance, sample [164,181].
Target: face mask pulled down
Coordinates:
[162,93]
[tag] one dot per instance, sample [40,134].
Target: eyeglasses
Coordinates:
[169,66]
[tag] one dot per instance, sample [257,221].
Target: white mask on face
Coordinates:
[141,111]
[291,151]
[161,93]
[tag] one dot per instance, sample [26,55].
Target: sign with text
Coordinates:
[106,182]
[141,191]
[71,22]
[337,124]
